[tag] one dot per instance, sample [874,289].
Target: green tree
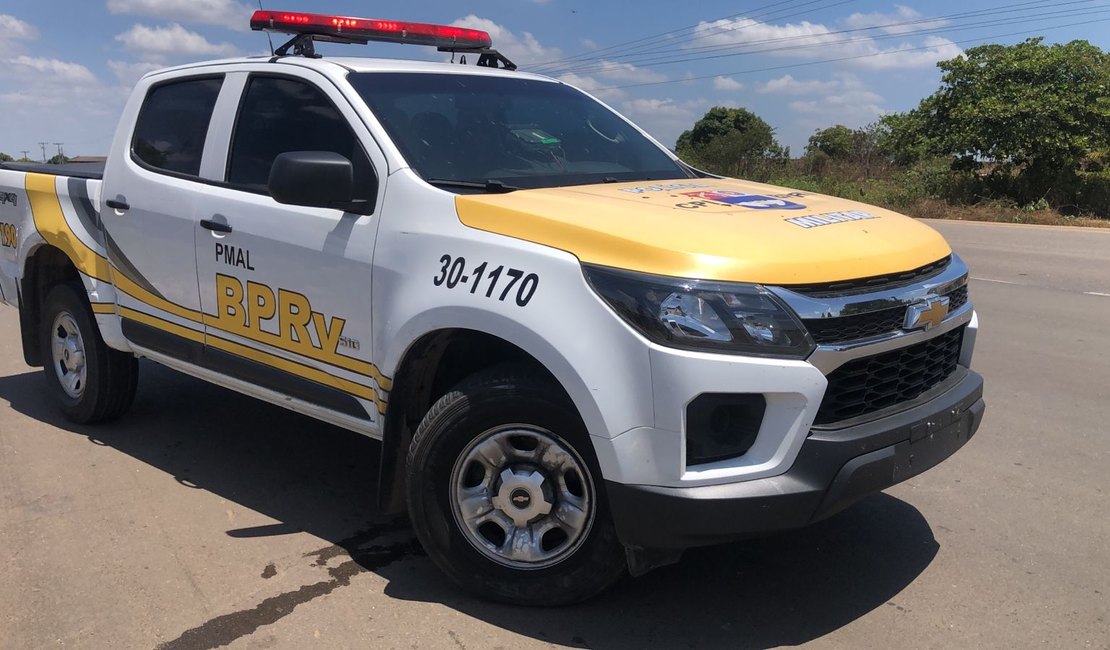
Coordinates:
[836,142]
[1035,111]
[729,141]
[5,157]
[58,159]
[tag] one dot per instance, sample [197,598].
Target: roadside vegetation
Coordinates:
[1015,133]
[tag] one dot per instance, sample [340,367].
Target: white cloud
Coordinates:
[850,104]
[593,86]
[161,42]
[817,41]
[520,49]
[666,118]
[129,73]
[727,84]
[788,85]
[14,29]
[626,72]
[227,13]
[39,69]
[855,103]
[906,56]
[889,23]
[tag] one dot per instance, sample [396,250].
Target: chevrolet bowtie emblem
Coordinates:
[926,315]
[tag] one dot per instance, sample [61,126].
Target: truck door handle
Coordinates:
[214,226]
[117,205]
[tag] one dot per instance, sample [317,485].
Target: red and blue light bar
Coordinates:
[369,29]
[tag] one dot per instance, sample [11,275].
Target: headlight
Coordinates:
[706,316]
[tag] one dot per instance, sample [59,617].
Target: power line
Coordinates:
[849,58]
[1100,9]
[661,59]
[648,41]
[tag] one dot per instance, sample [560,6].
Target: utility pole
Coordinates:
[43,145]
[26,154]
[59,146]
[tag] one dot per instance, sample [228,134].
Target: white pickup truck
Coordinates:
[581,355]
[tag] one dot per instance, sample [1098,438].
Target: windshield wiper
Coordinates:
[489,186]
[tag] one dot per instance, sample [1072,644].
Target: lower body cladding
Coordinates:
[833,469]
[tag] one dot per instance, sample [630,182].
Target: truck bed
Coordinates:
[94,170]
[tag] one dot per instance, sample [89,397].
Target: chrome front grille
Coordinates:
[871,361]
[876,323]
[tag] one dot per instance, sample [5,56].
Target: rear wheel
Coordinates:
[505,495]
[92,382]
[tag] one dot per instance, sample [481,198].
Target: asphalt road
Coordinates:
[206,518]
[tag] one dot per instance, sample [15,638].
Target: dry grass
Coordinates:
[997,212]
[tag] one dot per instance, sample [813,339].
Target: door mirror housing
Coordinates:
[317,179]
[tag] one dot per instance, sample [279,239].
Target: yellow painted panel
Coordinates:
[46,209]
[711,229]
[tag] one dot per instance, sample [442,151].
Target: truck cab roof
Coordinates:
[359,64]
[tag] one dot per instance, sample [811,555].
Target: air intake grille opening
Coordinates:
[866,385]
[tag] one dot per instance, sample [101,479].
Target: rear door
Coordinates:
[286,289]
[149,216]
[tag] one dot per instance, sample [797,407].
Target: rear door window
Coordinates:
[173,124]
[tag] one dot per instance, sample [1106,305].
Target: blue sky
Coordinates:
[68,65]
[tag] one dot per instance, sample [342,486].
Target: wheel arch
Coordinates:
[46,266]
[429,367]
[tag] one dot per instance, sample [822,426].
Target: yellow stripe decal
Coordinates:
[46,210]
[131,288]
[164,325]
[293,367]
[357,366]
[103,308]
[299,369]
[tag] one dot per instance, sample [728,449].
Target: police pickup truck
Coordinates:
[580,354]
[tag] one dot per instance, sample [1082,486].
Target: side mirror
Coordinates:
[318,179]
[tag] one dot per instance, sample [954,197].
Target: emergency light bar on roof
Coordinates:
[345,29]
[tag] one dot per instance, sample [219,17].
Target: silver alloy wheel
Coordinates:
[522,496]
[68,350]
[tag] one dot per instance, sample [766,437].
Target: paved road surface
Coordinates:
[205,518]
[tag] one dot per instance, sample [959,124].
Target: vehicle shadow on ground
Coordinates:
[320,479]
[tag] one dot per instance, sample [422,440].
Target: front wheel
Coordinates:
[505,494]
[93,382]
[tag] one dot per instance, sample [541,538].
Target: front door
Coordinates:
[286,289]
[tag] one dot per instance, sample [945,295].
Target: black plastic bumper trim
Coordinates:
[834,468]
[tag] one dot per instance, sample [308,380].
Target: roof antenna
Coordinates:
[268,38]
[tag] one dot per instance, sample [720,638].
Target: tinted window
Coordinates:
[522,132]
[280,115]
[173,124]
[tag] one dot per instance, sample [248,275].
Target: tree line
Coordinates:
[54,160]
[1027,123]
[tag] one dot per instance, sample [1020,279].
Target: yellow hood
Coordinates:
[711,229]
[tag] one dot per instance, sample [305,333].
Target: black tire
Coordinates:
[110,376]
[501,397]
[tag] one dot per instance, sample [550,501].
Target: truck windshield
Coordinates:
[468,132]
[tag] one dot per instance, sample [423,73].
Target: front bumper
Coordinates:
[833,469]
